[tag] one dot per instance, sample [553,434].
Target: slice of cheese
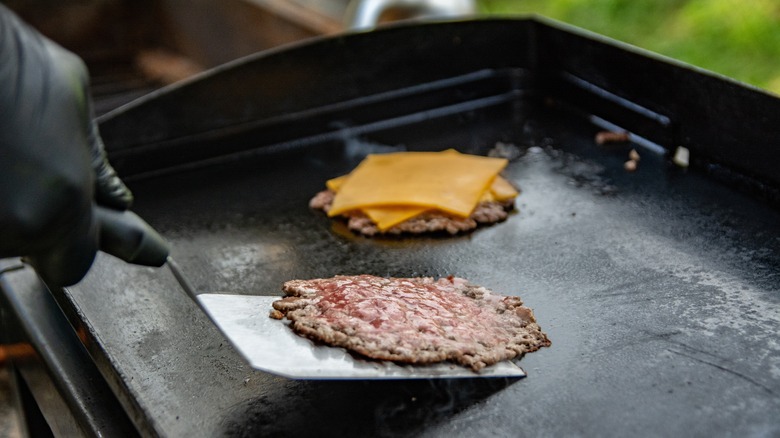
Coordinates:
[383,217]
[447,181]
[386,217]
[501,190]
[335,183]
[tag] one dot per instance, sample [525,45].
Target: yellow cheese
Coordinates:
[501,190]
[386,217]
[335,183]
[448,181]
[383,217]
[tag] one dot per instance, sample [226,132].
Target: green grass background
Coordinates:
[736,38]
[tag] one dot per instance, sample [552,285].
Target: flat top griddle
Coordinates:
[659,288]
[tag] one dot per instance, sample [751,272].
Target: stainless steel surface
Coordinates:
[367,14]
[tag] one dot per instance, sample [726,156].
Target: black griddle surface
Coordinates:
[658,289]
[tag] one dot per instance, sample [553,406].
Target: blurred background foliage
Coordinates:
[736,38]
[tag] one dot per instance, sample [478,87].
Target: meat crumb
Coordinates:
[604,137]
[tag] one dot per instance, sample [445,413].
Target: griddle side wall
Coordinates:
[723,123]
[317,77]
[352,82]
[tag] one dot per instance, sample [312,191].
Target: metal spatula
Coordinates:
[268,344]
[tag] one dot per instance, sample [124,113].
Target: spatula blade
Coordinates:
[270,345]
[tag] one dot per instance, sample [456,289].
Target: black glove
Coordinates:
[53,168]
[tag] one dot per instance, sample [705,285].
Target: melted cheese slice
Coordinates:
[386,217]
[335,183]
[392,188]
[501,190]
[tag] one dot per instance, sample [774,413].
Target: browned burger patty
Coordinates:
[485,213]
[412,320]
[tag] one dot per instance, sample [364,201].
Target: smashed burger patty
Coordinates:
[411,320]
[419,192]
[487,212]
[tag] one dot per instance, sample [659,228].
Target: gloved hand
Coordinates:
[53,168]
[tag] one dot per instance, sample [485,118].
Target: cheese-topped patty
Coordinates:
[447,181]
[393,188]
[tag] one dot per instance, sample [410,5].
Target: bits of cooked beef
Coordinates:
[604,137]
[412,320]
[486,212]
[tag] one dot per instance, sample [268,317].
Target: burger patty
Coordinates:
[487,212]
[411,320]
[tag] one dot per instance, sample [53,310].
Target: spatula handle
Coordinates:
[125,235]
[183,282]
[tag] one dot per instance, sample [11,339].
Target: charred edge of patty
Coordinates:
[486,213]
[476,360]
